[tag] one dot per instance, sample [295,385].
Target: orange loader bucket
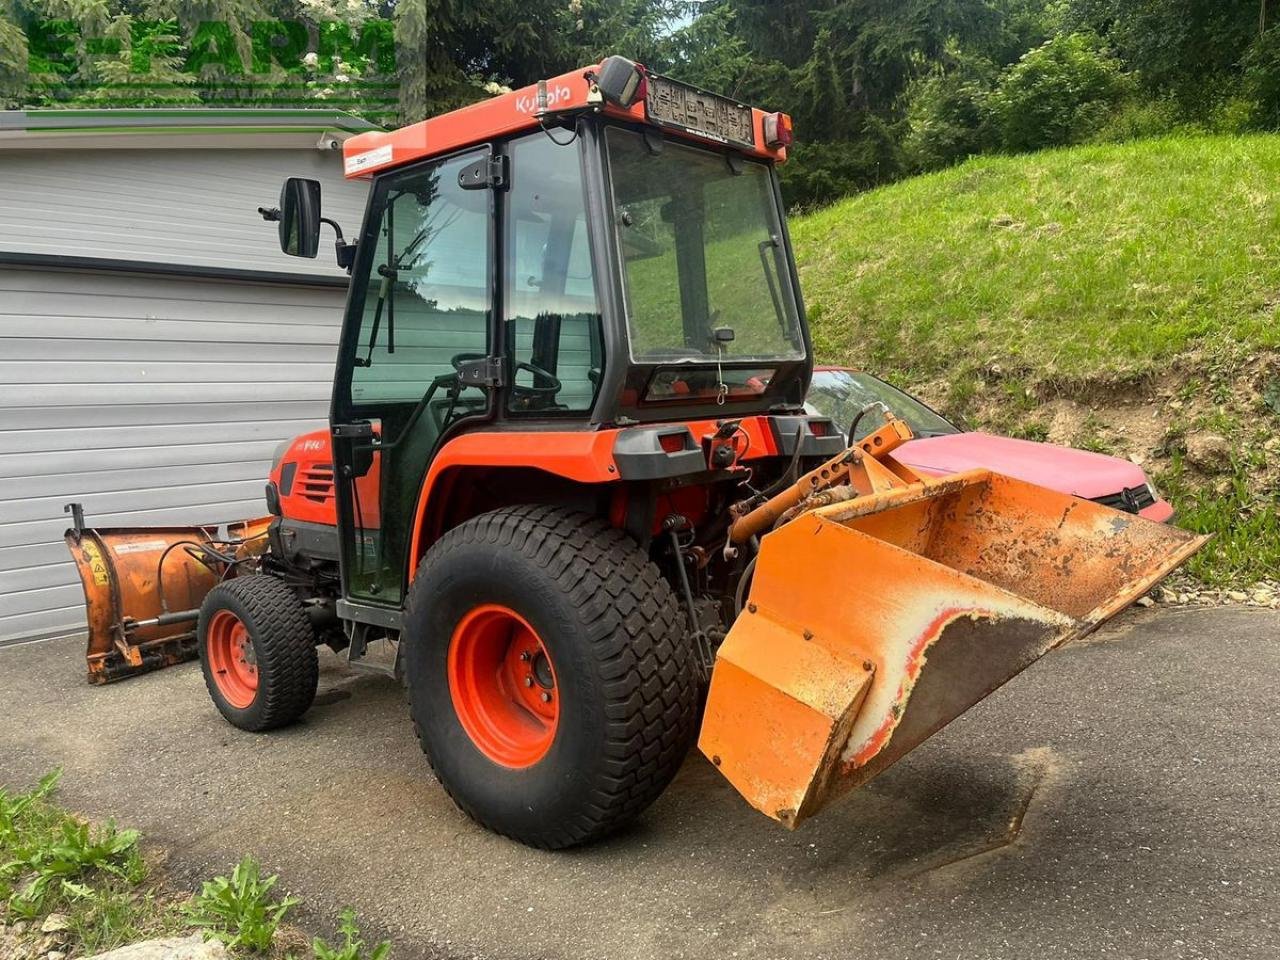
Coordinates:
[872,623]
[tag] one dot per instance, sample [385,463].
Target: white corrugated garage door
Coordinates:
[149,399]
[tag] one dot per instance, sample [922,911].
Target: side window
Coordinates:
[553,324]
[427,292]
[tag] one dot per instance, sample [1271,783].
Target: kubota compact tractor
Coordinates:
[569,476]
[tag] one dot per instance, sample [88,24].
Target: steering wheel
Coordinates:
[550,389]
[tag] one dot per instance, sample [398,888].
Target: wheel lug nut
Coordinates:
[528,681]
[546,697]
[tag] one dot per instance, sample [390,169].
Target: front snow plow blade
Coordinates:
[143,587]
[874,621]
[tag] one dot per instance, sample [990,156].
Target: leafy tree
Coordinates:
[949,116]
[877,88]
[1261,86]
[709,52]
[449,49]
[1061,92]
[639,29]
[1190,49]
[848,70]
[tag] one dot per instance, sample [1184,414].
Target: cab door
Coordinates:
[421,302]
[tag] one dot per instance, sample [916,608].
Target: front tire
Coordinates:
[257,652]
[549,679]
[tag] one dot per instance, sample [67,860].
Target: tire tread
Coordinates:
[282,636]
[635,627]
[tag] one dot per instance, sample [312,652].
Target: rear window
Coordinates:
[685,383]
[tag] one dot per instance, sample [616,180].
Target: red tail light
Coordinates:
[672,442]
[777,130]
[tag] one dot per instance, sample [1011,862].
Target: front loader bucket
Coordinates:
[143,587]
[873,623]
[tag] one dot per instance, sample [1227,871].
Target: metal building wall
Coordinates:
[150,398]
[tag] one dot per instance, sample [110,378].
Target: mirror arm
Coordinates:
[336,228]
[270,214]
[345,252]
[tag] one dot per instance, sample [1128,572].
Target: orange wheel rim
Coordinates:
[232,659]
[503,686]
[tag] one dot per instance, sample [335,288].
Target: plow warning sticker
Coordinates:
[96,563]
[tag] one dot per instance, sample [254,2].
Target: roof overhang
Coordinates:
[170,129]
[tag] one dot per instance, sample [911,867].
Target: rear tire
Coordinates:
[257,652]
[614,708]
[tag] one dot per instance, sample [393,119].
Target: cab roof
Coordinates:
[543,102]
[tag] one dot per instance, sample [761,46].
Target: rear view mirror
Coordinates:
[300,217]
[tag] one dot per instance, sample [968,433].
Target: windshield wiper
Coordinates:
[390,273]
[775,294]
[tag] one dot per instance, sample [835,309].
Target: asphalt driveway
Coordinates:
[1120,799]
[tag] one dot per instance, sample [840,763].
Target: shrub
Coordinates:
[948,118]
[239,910]
[1139,119]
[1262,81]
[353,947]
[1060,93]
[44,854]
[819,172]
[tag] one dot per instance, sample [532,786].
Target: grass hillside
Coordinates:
[1119,298]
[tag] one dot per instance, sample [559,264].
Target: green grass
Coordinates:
[95,879]
[1096,274]
[1070,264]
[1245,523]
[93,876]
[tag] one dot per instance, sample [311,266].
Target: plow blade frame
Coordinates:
[873,623]
[143,588]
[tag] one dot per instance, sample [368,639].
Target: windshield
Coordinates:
[841,394]
[704,267]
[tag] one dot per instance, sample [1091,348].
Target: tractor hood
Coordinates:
[1077,472]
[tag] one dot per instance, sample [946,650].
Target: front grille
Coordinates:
[1130,499]
[315,482]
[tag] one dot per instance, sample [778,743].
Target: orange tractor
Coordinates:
[568,478]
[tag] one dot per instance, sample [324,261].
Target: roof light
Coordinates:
[777,130]
[621,81]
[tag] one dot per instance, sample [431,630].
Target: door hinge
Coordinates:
[481,372]
[359,430]
[485,173]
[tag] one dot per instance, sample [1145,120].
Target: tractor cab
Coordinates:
[603,250]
